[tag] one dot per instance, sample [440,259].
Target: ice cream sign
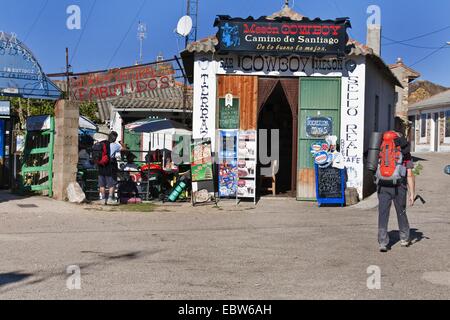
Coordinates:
[318,127]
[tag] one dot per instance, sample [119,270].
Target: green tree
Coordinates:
[90,111]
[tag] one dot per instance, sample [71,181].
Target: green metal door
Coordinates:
[320,100]
[133,142]
[37,168]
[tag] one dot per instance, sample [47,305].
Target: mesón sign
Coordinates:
[306,37]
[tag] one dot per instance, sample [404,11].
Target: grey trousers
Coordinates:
[385,197]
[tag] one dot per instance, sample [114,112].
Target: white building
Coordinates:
[430,120]
[355,91]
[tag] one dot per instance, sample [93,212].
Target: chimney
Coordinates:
[374,38]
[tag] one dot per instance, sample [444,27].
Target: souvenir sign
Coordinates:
[317,127]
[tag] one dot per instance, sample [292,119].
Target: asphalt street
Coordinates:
[280,249]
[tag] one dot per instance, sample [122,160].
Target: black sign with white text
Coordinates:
[306,37]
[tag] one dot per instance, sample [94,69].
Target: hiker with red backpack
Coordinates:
[104,154]
[394,178]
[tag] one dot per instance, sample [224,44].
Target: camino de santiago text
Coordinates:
[315,38]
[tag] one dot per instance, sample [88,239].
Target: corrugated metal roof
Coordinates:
[160,99]
[440,100]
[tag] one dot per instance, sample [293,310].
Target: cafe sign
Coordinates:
[306,37]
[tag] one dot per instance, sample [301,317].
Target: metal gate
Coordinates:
[37,163]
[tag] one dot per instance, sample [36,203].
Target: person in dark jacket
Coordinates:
[107,175]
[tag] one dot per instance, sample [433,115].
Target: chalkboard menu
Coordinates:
[330,185]
[228,114]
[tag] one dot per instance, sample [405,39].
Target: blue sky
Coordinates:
[47,36]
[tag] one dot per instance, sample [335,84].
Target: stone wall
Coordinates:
[66,147]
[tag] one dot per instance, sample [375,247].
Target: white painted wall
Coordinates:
[204,108]
[352,124]
[377,84]
[116,124]
[422,145]
[353,73]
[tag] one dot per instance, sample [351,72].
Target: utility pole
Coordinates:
[192,11]
[67,73]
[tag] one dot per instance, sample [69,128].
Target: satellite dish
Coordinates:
[184,26]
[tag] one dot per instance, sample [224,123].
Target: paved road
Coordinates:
[281,249]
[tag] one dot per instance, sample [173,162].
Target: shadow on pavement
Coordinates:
[416,159]
[103,259]
[415,237]
[13,277]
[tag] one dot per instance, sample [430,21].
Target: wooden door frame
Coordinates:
[294,113]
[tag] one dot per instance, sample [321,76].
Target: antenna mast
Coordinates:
[192,11]
[141,35]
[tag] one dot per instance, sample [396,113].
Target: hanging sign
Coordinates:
[306,37]
[317,127]
[228,113]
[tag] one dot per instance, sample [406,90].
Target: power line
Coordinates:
[429,55]
[408,45]
[126,34]
[415,38]
[36,20]
[82,32]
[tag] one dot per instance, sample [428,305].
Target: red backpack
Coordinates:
[100,153]
[390,170]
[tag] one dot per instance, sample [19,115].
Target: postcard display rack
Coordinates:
[247,156]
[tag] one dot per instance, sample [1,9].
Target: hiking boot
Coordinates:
[383,249]
[111,202]
[404,243]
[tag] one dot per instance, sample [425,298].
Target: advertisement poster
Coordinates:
[227,144]
[247,165]
[247,168]
[247,145]
[228,163]
[227,178]
[201,160]
[246,189]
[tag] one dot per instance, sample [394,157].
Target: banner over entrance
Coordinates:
[20,73]
[306,37]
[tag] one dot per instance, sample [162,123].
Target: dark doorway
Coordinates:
[276,113]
